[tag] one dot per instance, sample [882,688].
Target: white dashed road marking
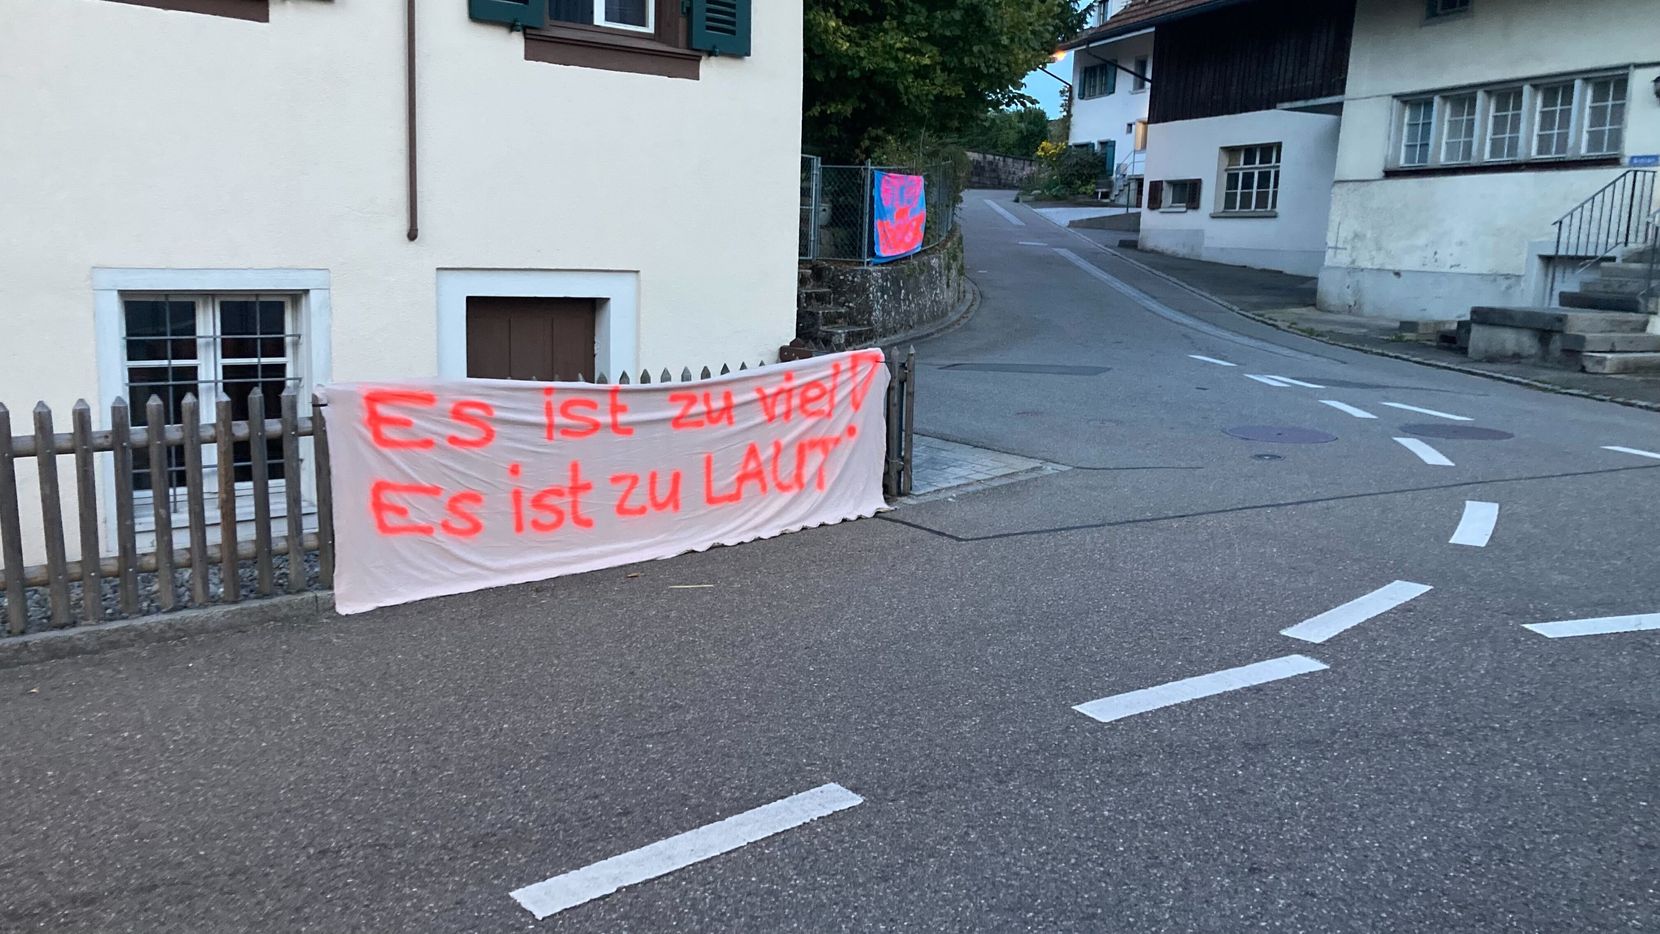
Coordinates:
[1005,212]
[1477,525]
[1413,408]
[1356,611]
[1562,629]
[1198,356]
[1425,453]
[1033,243]
[1297,382]
[1119,706]
[1267,381]
[677,852]
[1636,451]
[1347,409]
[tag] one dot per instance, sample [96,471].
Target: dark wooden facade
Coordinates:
[1250,56]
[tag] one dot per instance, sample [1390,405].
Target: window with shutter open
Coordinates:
[720,26]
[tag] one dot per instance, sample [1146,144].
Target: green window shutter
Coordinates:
[517,14]
[1112,156]
[1112,76]
[720,26]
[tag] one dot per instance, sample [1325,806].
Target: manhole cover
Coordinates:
[1280,434]
[1457,432]
[1043,369]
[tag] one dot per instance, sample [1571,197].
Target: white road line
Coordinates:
[1033,243]
[1356,611]
[1298,382]
[1267,381]
[682,850]
[1425,453]
[1636,451]
[1413,408]
[1003,211]
[1200,356]
[1166,312]
[1562,629]
[1347,409]
[1119,706]
[1477,525]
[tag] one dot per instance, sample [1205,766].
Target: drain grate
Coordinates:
[1280,434]
[1457,432]
[1041,369]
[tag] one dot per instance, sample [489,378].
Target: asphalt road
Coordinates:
[1449,770]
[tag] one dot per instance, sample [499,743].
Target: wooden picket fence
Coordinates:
[129,445]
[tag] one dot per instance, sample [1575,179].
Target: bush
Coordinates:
[1064,171]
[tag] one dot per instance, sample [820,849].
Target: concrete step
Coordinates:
[1620,362]
[1616,284]
[1641,254]
[1611,301]
[1626,270]
[1560,319]
[1612,343]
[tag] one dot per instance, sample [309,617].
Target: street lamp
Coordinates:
[1060,56]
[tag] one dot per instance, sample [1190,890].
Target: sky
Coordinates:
[1047,90]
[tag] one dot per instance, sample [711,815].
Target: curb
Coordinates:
[148,630]
[1374,351]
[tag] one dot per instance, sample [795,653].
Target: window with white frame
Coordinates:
[1553,120]
[1557,118]
[1605,115]
[1440,8]
[1415,131]
[1143,73]
[625,14]
[1458,128]
[209,346]
[1504,124]
[1251,179]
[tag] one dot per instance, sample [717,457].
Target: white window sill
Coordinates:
[1245,214]
[1175,210]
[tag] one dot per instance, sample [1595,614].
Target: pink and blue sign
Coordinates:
[901,215]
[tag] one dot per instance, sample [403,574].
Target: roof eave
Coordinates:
[1106,32]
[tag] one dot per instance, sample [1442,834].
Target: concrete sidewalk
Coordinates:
[1287,302]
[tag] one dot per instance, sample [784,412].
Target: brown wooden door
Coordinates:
[530,338]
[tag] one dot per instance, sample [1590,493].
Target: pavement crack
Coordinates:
[1257,507]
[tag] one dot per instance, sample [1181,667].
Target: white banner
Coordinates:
[448,486]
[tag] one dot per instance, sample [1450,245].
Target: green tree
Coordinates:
[883,70]
[1009,132]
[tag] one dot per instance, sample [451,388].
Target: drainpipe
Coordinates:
[409,115]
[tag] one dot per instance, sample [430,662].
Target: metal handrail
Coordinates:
[1616,215]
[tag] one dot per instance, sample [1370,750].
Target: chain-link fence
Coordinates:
[837,207]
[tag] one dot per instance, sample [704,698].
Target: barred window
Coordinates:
[209,345]
[1252,179]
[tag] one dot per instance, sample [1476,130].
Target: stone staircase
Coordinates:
[820,321]
[1607,325]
